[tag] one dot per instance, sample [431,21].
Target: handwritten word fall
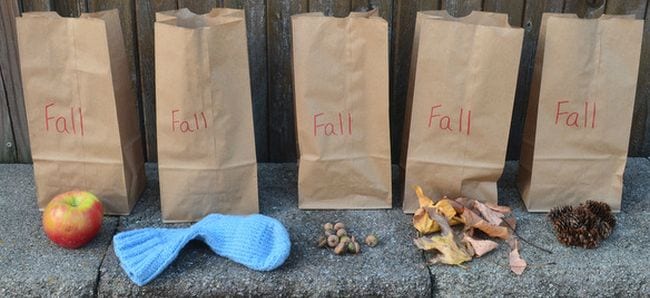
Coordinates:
[573,118]
[191,125]
[333,128]
[62,123]
[445,120]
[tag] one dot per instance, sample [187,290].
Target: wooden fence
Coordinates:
[269,45]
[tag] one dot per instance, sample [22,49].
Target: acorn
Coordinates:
[328,226]
[371,240]
[341,248]
[332,240]
[341,232]
[345,238]
[354,247]
[330,232]
[339,225]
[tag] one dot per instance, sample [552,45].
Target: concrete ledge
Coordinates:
[31,266]
[391,268]
[619,267]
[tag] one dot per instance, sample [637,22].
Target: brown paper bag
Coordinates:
[579,117]
[81,108]
[461,92]
[341,95]
[206,145]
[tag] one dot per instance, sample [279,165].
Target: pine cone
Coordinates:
[585,226]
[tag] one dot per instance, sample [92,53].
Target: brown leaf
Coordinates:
[471,219]
[490,215]
[517,264]
[511,222]
[480,247]
[465,202]
[505,210]
[457,206]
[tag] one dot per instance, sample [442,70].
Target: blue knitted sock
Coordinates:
[256,241]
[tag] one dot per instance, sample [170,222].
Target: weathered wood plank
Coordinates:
[282,136]
[145,12]
[256,20]
[7,147]
[359,5]
[635,7]
[460,8]
[571,6]
[385,8]
[70,8]
[592,9]
[404,13]
[238,4]
[514,9]
[643,88]
[36,5]
[638,134]
[11,80]
[532,19]
[337,8]
[199,6]
[428,5]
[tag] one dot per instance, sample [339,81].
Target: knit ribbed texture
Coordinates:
[256,241]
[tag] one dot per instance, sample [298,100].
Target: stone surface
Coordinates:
[31,265]
[619,267]
[393,268]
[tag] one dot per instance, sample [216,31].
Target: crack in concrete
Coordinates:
[432,277]
[101,262]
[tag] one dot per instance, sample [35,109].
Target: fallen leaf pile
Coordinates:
[479,220]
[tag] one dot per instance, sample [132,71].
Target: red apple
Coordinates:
[73,218]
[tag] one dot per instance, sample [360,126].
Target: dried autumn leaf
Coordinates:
[511,222]
[423,223]
[457,206]
[517,264]
[480,247]
[465,202]
[446,208]
[445,243]
[490,215]
[450,252]
[471,219]
[505,210]
[423,199]
[422,219]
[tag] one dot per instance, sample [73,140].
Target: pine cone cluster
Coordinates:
[585,226]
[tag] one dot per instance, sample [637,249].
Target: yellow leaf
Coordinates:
[423,223]
[424,200]
[422,219]
[450,252]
